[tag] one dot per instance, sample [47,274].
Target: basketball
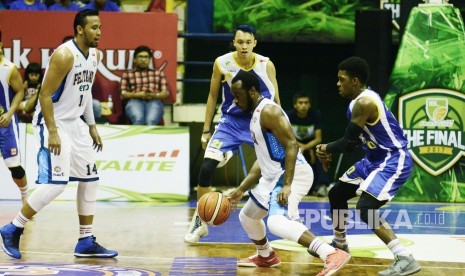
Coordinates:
[214,208]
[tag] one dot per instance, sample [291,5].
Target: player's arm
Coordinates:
[16,84]
[31,103]
[273,119]
[364,111]
[271,72]
[60,64]
[215,84]
[251,180]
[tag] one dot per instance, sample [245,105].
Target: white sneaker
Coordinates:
[197,229]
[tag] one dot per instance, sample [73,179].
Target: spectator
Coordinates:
[32,79]
[28,5]
[102,5]
[143,88]
[307,127]
[64,5]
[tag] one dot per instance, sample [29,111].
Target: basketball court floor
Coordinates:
[149,238]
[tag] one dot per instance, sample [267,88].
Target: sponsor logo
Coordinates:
[432,120]
[163,161]
[13,151]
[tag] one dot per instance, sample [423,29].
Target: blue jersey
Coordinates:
[383,135]
[229,68]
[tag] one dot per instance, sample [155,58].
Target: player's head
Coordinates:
[245,88]
[352,76]
[142,55]
[33,73]
[302,102]
[244,40]
[87,25]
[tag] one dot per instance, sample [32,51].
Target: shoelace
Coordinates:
[97,247]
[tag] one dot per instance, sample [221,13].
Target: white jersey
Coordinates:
[75,92]
[229,68]
[270,153]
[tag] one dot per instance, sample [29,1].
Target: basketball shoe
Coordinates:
[344,247]
[334,262]
[88,248]
[10,240]
[259,261]
[403,265]
[197,229]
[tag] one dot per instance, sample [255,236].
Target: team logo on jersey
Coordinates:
[57,169]
[433,123]
[13,151]
[69,269]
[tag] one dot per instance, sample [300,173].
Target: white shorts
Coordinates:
[76,161]
[303,180]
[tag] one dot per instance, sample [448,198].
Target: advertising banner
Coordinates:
[34,39]
[427,87]
[138,163]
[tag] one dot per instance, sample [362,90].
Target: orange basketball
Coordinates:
[214,208]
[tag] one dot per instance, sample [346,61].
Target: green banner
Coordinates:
[427,87]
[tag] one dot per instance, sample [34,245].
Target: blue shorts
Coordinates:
[9,143]
[382,177]
[230,133]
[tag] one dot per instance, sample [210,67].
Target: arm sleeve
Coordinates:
[349,142]
[89,113]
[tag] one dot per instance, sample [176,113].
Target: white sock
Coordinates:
[340,237]
[397,248]
[264,250]
[24,192]
[85,231]
[20,220]
[321,248]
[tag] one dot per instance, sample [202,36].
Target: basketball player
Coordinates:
[233,127]
[11,95]
[65,142]
[286,178]
[377,177]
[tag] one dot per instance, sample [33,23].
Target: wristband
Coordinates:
[206,132]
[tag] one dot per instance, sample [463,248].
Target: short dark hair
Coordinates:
[301,94]
[246,29]
[356,67]
[142,48]
[248,79]
[80,19]
[33,67]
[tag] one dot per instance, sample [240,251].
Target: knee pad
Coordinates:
[255,228]
[17,172]
[44,194]
[86,198]
[286,228]
[368,210]
[206,172]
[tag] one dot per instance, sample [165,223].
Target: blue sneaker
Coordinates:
[10,240]
[88,248]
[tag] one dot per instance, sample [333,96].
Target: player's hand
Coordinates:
[54,143]
[284,195]
[204,139]
[321,151]
[234,197]
[98,144]
[5,119]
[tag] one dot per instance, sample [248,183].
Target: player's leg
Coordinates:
[9,145]
[227,138]
[284,221]
[53,176]
[84,170]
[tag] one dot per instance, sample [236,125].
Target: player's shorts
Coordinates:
[265,194]
[381,178]
[76,161]
[9,143]
[230,132]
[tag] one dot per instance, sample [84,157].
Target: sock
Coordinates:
[321,248]
[397,248]
[20,220]
[340,237]
[24,192]
[85,231]
[264,250]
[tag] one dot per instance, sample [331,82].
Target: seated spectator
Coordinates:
[102,5]
[32,79]
[64,5]
[143,88]
[28,5]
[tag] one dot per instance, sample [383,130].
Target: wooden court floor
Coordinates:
[149,237]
